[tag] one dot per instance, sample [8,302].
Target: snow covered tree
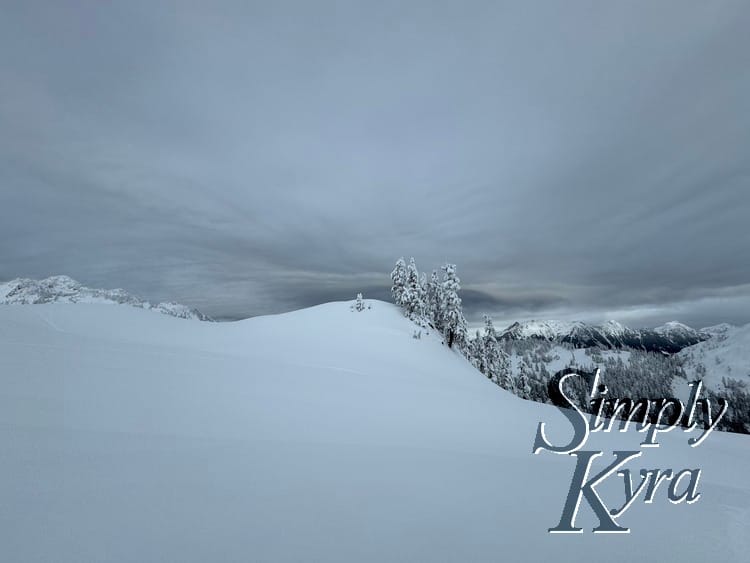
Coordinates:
[495,360]
[423,289]
[476,353]
[490,335]
[413,297]
[491,350]
[359,304]
[454,323]
[523,385]
[504,375]
[398,277]
[434,301]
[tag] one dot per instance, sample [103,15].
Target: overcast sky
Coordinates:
[585,160]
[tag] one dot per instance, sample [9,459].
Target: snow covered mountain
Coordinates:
[63,289]
[671,337]
[320,435]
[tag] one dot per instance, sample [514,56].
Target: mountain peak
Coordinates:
[614,327]
[673,326]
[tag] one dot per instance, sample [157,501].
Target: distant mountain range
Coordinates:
[63,289]
[668,338]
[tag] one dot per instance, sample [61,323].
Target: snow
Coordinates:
[673,326]
[718,331]
[614,328]
[548,330]
[670,337]
[64,289]
[318,435]
[725,354]
[554,329]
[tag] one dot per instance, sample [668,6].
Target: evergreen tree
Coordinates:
[523,384]
[454,323]
[413,297]
[505,377]
[490,350]
[398,277]
[434,301]
[423,289]
[359,305]
[476,354]
[497,363]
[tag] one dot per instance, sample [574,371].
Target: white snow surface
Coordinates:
[318,435]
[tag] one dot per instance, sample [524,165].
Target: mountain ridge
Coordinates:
[64,289]
[669,338]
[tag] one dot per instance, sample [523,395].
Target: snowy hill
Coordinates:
[671,337]
[62,289]
[318,435]
[719,332]
[726,354]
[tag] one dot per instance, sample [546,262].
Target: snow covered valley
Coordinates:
[318,435]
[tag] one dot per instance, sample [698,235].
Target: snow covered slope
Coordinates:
[725,354]
[63,289]
[318,435]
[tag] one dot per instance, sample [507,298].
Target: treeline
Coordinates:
[432,303]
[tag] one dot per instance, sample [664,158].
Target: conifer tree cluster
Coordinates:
[489,358]
[437,303]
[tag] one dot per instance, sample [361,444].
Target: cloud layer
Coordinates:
[578,161]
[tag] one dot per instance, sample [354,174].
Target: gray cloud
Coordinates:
[584,160]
